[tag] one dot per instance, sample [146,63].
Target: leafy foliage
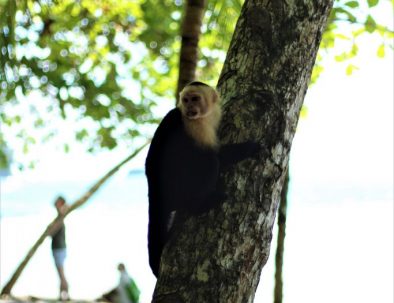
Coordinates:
[349,21]
[106,67]
[80,59]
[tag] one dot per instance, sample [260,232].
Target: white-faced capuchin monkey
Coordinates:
[184,161]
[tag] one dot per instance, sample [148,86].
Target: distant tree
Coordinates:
[190,32]
[280,243]
[77,60]
[357,17]
[105,65]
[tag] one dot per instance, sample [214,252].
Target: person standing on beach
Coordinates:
[126,292]
[59,250]
[127,289]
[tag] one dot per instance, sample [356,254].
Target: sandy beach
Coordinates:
[12,299]
[324,248]
[95,246]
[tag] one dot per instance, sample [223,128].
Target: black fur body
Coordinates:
[183,175]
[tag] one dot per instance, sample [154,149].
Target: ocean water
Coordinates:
[339,241]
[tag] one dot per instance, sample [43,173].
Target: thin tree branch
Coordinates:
[8,287]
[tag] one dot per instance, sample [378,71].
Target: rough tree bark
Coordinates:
[10,284]
[190,32]
[218,257]
[280,247]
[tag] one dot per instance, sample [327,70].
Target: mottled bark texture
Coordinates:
[218,257]
[190,32]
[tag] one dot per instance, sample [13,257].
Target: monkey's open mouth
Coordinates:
[191,114]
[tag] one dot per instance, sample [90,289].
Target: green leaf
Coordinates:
[80,135]
[31,165]
[372,3]
[342,37]
[370,24]
[341,12]
[39,123]
[381,52]
[25,148]
[341,57]
[350,69]
[352,4]
[354,50]
[304,112]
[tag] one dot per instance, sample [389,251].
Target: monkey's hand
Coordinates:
[250,149]
[211,201]
[231,154]
[217,197]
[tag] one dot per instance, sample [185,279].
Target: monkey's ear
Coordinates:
[215,96]
[181,93]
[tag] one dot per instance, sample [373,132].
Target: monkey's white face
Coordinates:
[194,105]
[196,102]
[200,108]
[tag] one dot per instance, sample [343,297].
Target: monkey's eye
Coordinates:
[195,98]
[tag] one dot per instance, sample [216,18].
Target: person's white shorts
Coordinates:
[59,255]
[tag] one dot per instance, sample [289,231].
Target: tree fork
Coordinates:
[218,257]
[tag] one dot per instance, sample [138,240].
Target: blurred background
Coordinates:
[83,84]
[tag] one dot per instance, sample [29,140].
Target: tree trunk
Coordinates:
[10,284]
[191,30]
[280,247]
[218,257]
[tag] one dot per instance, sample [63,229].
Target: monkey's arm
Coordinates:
[231,154]
[202,191]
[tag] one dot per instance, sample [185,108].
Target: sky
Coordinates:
[347,136]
